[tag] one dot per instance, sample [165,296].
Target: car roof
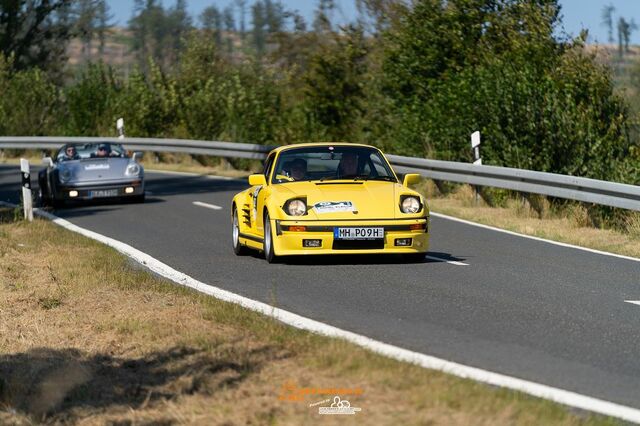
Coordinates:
[311,144]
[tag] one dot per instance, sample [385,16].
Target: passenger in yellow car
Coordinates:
[348,165]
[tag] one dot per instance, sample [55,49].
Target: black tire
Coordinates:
[43,199]
[56,204]
[414,257]
[238,248]
[138,198]
[267,242]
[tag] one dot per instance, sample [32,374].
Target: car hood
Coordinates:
[344,199]
[96,168]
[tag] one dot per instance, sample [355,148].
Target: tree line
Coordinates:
[414,78]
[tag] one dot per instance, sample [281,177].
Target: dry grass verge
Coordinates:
[535,216]
[87,338]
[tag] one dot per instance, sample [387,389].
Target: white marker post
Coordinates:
[27,201]
[475,146]
[120,127]
[477,160]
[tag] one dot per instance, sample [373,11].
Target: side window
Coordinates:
[268,165]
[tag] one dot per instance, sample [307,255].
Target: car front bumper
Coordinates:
[289,237]
[96,191]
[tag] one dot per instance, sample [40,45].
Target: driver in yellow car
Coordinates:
[298,169]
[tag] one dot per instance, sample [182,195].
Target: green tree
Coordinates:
[334,92]
[103,22]
[607,20]
[211,20]
[242,11]
[35,32]
[322,16]
[259,23]
[229,26]
[453,67]
[179,24]
[275,16]
[91,101]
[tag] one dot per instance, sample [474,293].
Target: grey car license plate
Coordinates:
[101,193]
[358,233]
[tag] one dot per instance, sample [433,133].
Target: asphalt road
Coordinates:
[520,307]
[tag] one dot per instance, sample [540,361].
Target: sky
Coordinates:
[577,14]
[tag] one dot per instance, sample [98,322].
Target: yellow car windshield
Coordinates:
[332,163]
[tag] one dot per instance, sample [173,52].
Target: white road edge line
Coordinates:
[206,205]
[635,302]
[452,262]
[561,396]
[517,234]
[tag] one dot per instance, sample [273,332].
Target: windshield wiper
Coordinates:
[384,178]
[333,178]
[358,177]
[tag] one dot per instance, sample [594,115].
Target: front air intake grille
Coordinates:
[358,244]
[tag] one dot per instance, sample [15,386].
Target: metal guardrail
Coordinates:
[215,148]
[570,187]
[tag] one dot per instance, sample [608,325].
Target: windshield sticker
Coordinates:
[96,167]
[334,206]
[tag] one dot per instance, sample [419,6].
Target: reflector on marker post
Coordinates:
[475,146]
[26,189]
[120,128]
[477,160]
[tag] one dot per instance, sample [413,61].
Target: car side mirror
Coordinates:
[255,180]
[411,179]
[47,161]
[137,155]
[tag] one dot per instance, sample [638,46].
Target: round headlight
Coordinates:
[133,169]
[64,175]
[296,208]
[410,205]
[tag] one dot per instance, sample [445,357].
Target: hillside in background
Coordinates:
[117,52]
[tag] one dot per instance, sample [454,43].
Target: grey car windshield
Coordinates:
[332,163]
[91,150]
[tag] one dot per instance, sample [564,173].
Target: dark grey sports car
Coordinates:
[91,171]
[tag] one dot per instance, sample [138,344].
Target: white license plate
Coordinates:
[360,233]
[103,193]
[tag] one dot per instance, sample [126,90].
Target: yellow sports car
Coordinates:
[329,198]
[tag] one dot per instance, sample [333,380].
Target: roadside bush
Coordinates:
[29,102]
[463,65]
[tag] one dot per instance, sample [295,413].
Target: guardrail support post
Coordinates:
[27,200]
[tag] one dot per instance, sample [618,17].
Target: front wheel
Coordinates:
[267,243]
[238,248]
[136,199]
[414,257]
[43,200]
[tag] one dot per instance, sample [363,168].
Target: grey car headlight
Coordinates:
[410,205]
[64,175]
[133,169]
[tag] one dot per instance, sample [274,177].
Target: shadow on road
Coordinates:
[362,259]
